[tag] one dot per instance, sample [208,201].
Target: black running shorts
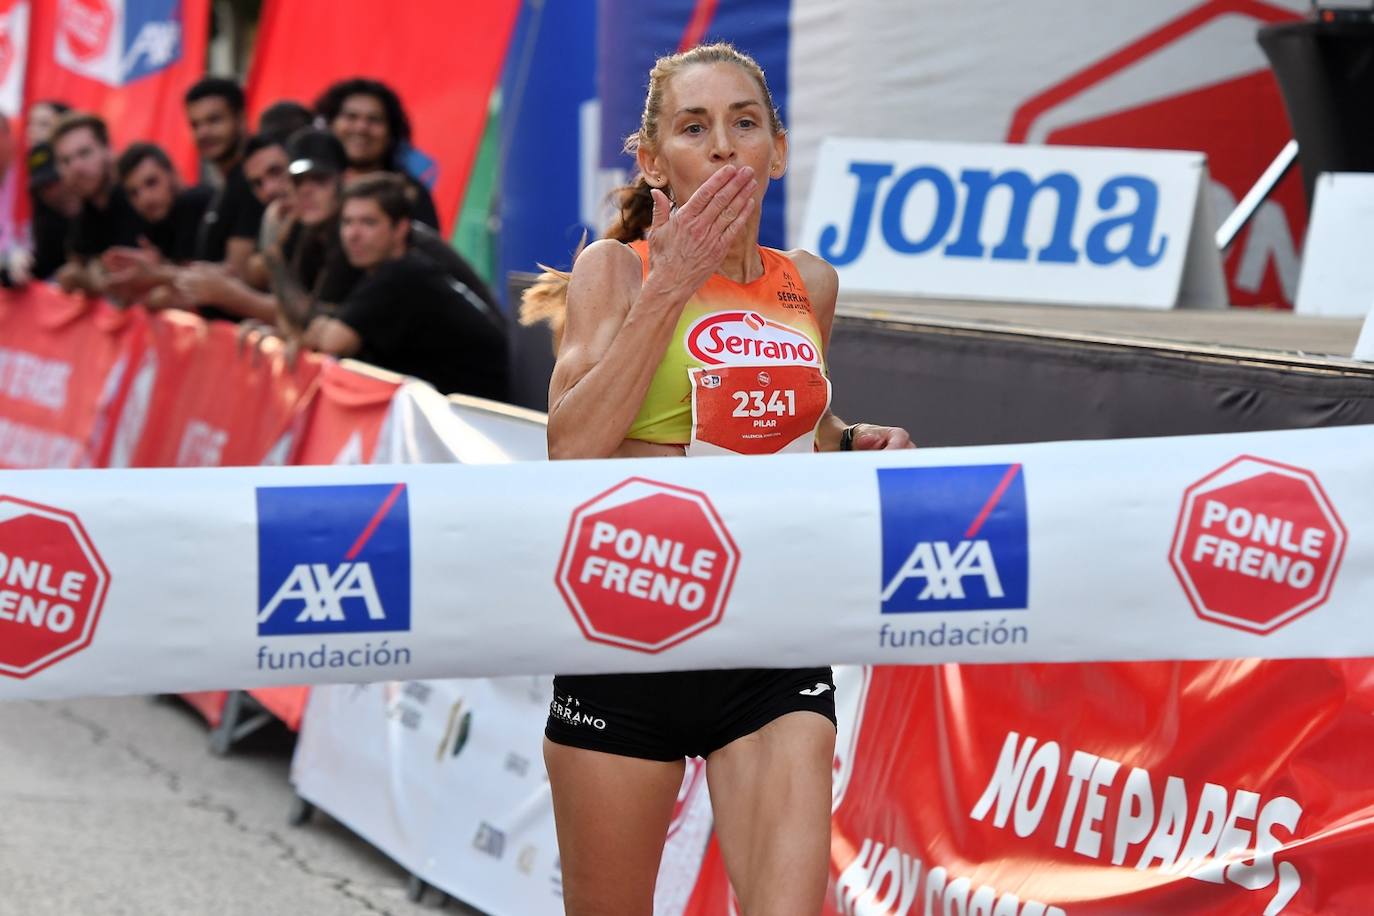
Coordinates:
[676,714]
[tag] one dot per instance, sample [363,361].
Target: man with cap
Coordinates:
[54,206]
[310,272]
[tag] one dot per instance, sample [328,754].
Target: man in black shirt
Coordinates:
[229,231]
[407,314]
[171,215]
[81,144]
[170,218]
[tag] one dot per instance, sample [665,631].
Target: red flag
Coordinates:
[441,57]
[129,61]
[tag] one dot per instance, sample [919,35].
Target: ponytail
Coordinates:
[636,205]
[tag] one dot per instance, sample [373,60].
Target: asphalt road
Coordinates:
[116,806]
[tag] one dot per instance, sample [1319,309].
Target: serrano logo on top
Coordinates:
[954,538]
[747,338]
[333,559]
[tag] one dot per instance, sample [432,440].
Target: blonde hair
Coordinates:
[546,299]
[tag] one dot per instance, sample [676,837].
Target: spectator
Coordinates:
[170,217]
[170,214]
[229,232]
[265,169]
[265,163]
[42,120]
[407,314]
[54,207]
[310,247]
[370,122]
[284,118]
[81,143]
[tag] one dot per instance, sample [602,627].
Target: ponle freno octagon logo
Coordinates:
[52,586]
[1257,544]
[647,565]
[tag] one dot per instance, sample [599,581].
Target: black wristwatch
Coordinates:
[847,438]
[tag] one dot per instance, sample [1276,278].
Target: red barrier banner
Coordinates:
[64,372]
[129,61]
[218,400]
[1219,787]
[345,418]
[442,58]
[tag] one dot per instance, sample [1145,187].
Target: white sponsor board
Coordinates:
[446,777]
[1183,548]
[1103,72]
[1008,222]
[1337,272]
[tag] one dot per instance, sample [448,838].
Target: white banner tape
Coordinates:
[1253,545]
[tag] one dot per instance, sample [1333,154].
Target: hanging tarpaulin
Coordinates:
[442,58]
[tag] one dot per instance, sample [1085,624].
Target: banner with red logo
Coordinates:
[65,362]
[441,58]
[1218,787]
[129,61]
[1226,788]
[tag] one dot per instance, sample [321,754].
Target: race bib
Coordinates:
[756,410]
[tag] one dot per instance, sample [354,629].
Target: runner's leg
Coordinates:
[771,794]
[612,815]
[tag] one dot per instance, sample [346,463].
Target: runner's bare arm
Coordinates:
[618,328]
[822,287]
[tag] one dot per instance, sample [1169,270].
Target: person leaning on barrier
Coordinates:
[628,382]
[85,163]
[407,313]
[215,110]
[309,271]
[170,216]
[265,161]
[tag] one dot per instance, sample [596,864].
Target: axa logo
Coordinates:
[1122,210]
[954,538]
[118,41]
[333,559]
[747,338]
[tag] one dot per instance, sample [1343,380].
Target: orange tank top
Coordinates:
[744,372]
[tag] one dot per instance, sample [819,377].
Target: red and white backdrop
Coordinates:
[1171,74]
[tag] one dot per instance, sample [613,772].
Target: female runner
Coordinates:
[631,381]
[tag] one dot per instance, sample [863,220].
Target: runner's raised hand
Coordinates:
[687,245]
